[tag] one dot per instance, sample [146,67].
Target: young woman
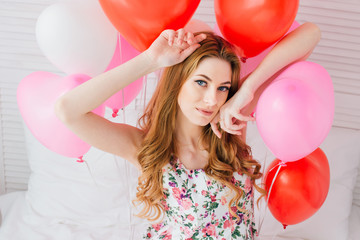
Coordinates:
[197,176]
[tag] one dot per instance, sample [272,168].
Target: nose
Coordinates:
[210,97]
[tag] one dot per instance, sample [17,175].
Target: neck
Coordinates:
[187,133]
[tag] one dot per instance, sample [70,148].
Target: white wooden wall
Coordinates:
[338,51]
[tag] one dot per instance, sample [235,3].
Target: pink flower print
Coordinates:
[229,224]
[234,209]
[208,183]
[209,230]
[196,204]
[168,236]
[213,198]
[248,185]
[149,235]
[203,192]
[186,203]
[187,231]
[245,217]
[223,200]
[166,207]
[190,217]
[176,192]
[157,226]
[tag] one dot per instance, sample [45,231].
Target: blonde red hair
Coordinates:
[226,155]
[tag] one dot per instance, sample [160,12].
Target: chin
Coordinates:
[200,122]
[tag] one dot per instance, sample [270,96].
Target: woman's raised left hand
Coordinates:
[230,116]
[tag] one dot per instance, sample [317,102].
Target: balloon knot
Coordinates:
[284,225]
[80,160]
[252,114]
[283,164]
[243,59]
[115,113]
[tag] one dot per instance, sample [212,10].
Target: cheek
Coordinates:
[222,99]
[188,94]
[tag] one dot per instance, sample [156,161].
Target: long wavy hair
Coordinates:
[226,155]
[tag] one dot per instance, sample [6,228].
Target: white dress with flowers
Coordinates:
[196,207]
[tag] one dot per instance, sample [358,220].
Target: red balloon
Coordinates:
[299,189]
[140,22]
[254,25]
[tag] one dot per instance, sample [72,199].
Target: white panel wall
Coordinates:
[338,52]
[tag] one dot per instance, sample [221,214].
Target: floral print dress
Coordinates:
[196,207]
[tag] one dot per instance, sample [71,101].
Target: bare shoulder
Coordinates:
[129,140]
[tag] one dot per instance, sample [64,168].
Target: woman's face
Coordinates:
[205,91]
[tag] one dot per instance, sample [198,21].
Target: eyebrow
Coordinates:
[209,79]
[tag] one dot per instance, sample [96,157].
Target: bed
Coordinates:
[92,200]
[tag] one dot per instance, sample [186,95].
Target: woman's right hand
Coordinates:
[173,47]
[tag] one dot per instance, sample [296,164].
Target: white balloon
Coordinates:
[76,36]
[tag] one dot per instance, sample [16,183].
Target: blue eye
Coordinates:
[224,89]
[201,83]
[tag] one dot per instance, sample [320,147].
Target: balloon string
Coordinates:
[123,105]
[81,160]
[264,164]
[145,87]
[275,234]
[281,164]
[120,49]
[122,90]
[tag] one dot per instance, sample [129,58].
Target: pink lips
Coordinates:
[205,112]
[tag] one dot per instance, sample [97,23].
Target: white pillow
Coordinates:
[331,222]
[61,190]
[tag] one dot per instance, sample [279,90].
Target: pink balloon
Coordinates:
[295,112]
[123,53]
[217,30]
[196,25]
[36,96]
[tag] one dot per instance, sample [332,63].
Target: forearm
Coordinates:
[295,46]
[97,90]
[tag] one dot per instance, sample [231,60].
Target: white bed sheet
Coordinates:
[354,223]
[16,226]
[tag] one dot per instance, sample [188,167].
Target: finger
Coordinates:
[215,129]
[242,117]
[236,127]
[187,51]
[234,132]
[190,38]
[216,119]
[180,36]
[171,37]
[200,37]
[227,121]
